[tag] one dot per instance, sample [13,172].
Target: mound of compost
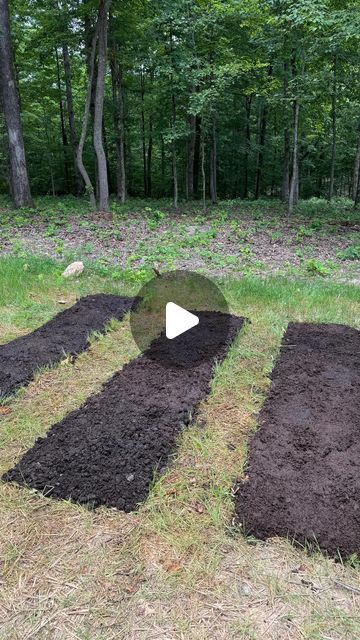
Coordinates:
[65,334]
[303,477]
[106,452]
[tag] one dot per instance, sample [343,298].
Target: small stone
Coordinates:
[130,477]
[244,589]
[73,270]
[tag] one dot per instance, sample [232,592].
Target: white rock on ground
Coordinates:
[74,269]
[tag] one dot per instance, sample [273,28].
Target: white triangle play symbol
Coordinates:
[178,320]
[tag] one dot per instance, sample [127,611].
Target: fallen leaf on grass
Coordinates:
[300,569]
[171,492]
[198,507]
[132,588]
[68,360]
[134,585]
[4,411]
[173,567]
[308,583]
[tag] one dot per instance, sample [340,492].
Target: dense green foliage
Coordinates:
[212,77]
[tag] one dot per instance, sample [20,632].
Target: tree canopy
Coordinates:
[200,98]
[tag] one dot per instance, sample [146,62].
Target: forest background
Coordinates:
[182,99]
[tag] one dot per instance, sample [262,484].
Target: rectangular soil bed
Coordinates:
[303,478]
[66,333]
[106,452]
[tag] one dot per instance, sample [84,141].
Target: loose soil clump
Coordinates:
[106,452]
[65,334]
[303,477]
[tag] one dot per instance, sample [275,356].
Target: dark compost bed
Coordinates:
[66,333]
[106,452]
[303,477]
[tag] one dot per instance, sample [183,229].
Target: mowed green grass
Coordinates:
[31,288]
[177,568]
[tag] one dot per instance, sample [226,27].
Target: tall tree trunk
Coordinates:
[19,182]
[261,147]
[118,113]
[248,100]
[294,184]
[99,107]
[49,153]
[203,176]
[71,117]
[213,164]
[62,123]
[334,126]
[162,167]
[186,171]
[197,153]
[88,42]
[274,160]
[174,158]
[149,158]
[142,89]
[357,195]
[106,149]
[191,157]
[261,143]
[285,188]
[356,174]
[80,163]
[286,159]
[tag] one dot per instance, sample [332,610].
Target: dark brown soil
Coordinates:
[303,476]
[65,334]
[106,452]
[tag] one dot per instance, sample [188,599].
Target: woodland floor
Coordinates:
[233,238]
[179,567]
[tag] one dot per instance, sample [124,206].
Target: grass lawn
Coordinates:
[178,568]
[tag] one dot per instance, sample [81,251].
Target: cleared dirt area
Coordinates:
[65,334]
[303,475]
[106,452]
[226,240]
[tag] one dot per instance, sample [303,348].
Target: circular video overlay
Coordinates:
[181,320]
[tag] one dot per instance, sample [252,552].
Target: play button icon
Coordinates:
[178,320]
[181,319]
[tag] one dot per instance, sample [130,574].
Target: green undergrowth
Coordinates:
[57,210]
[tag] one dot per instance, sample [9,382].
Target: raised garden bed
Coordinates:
[65,334]
[106,452]
[303,477]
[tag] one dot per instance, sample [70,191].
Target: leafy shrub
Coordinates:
[316,268]
[276,235]
[244,235]
[154,217]
[351,253]
[316,224]
[304,232]
[321,208]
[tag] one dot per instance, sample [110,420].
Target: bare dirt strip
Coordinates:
[65,334]
[106,452]
[303,478]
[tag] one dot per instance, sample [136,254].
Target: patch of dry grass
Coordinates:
[177,569]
